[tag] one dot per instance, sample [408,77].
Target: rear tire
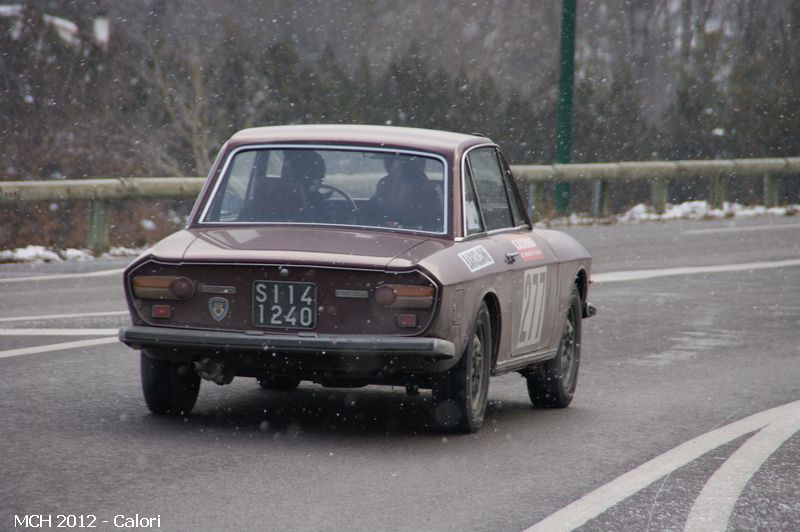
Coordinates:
[168,387]
[283,384]
[552,385]
[462,394]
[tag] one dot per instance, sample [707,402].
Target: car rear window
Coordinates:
[331,186]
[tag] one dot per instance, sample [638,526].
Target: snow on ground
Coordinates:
[690,210]
[120,251]
[701,210]
[30,254]
[148,225]
[42,254]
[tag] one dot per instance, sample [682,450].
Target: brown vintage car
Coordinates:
[355,255]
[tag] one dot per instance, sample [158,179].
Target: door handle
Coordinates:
[511,257]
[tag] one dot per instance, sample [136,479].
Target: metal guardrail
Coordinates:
[100,189]
[100,192]
[660,173]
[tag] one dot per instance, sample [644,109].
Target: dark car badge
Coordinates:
[218,307]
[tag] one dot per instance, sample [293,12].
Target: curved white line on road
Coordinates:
[101,273]
[57,332]
[595,503]
[65,316]
[638,275]
[57,347]
[713,507]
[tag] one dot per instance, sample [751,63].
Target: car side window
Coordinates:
[472,215]
[491,188]
[513,194]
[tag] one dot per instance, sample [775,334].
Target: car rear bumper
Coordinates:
[139,337]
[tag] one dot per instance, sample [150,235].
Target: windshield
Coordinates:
[352,187]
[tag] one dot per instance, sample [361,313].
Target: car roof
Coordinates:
[400,137]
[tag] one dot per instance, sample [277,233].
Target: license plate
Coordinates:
[284,305]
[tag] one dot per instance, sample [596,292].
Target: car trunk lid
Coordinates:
[294,245]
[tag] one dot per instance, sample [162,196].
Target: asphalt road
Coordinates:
[674,423]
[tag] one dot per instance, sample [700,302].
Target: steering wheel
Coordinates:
[336,190]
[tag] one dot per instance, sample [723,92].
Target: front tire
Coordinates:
[168,387]
[552,385]
[462,395]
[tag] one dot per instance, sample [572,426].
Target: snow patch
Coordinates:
[76,254]
[66,29]
[11,10]
[102,31]
[120,251]
[689,210]
[29,254]
[38,254]
[147,225]
[701,210]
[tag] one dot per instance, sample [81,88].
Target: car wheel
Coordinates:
[552,385]
[279,383]
[462,395]
[168,387]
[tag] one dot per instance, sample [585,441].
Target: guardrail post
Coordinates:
[658,193]
[566,82]
[719,191]
[599,208]
[535,200]
[770,191]
[98,226]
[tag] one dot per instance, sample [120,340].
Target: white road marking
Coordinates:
[741,229]
[101,273]
[57,332]
[57,347]
[713,507]
[638,275]
[595,503]
[65,316]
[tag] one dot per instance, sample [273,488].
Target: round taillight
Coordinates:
[182,287]
[385,295]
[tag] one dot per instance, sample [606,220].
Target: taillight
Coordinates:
[162,287]
[404,296]
[385,295]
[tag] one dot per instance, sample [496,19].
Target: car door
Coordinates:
[492,204]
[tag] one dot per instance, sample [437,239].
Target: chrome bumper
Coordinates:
[197,339]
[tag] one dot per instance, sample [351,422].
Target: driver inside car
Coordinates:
[306,169]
